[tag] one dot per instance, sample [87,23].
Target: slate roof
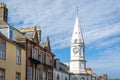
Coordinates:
[29,35]
[43,44]
[2,35]
[19,44]
[3,24]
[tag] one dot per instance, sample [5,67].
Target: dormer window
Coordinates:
[11,34]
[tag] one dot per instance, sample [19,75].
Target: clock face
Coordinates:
[76,50]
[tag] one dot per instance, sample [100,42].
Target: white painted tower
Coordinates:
[77,61]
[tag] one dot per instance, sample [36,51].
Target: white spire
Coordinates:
[77,36]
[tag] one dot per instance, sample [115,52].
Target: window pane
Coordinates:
[18,56]
[18,76]
[11,34]
[37,74]
[29,73]
[49,76]
[2,49]
[44,75]
[2,74]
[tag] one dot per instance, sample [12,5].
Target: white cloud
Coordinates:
[108,62]
[99,20]
[57,18]
[103,32]
[108,43]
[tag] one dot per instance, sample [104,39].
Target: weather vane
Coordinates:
[77,10]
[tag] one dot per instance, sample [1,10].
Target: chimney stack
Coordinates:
[3,12]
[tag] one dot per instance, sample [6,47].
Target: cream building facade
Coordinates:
[12,60]
[12,54]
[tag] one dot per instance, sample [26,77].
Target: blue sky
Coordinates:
[99,20]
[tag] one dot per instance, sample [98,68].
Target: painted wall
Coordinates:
[9,64]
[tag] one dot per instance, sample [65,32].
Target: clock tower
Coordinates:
[77,58]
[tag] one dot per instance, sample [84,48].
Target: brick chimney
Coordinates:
[105,77]
[89,70]
[3,12]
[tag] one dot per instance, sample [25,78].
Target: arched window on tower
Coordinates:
[80,40]
[75,41]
